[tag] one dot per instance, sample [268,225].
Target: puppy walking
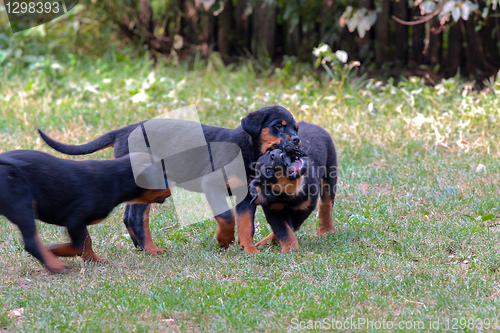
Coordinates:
[73,194]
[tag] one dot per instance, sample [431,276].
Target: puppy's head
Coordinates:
[269,124]
[278,172]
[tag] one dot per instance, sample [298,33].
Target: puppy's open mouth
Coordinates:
[296,168]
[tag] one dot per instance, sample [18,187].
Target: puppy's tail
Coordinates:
[102,142]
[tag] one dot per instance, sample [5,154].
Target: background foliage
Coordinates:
[451,37]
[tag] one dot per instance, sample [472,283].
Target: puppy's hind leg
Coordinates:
[138,219]
[81,245]
[34,246]
[128,225]
[325,208]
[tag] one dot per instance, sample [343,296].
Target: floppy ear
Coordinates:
[252,122]
[254,190]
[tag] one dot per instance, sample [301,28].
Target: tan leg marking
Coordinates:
[325,213]
[69,250]
[53,264]
[245,232]
[88,253]
[225,231]
[291,243]
[264,242]
[149,245]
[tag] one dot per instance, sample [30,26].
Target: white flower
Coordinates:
[341,56]
[106,80]
[320,50]
[419,120]
[324,48]
[139,97]
[91,88]
[481,168]
[151,78]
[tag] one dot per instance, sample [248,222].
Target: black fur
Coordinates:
[248,137]
[287,210]
[67,193]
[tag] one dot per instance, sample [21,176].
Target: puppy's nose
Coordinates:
[295,140]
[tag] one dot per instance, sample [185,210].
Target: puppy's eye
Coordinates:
[269,172]
[278,126]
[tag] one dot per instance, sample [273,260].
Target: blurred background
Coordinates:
[427,38]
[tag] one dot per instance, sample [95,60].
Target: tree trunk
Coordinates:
[292,40]
[224,29]
[191,22]
[264,29]
[454,50]
[401,32]
[418,41]
[328,23]
[382,33]
[242,23]
[435,44]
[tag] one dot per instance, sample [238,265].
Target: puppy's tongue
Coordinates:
[295,168]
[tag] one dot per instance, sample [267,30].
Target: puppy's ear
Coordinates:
[255,191]
[252,123]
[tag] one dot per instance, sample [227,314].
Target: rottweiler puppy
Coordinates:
[73,194]
[289,183]
[258,132]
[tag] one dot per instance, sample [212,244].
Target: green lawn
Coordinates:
[416,216]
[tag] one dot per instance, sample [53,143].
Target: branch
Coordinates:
[424,19]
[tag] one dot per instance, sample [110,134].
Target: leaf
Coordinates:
[465,10]
[372,18]
[119,57]
[455,12]
[352,23]
[488,217]
[485,12]
[363,26]
[448,7]
[427,7]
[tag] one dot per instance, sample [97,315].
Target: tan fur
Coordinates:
[325,212]
[287,186]
[291,242]
[225,231]
[267,140]
[149,245]
[277,206]
[245,232]
[53,264]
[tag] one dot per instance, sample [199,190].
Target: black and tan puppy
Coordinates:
[289,184]
[258,132]
[73,194]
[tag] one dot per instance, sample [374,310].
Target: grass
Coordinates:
[417,222]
